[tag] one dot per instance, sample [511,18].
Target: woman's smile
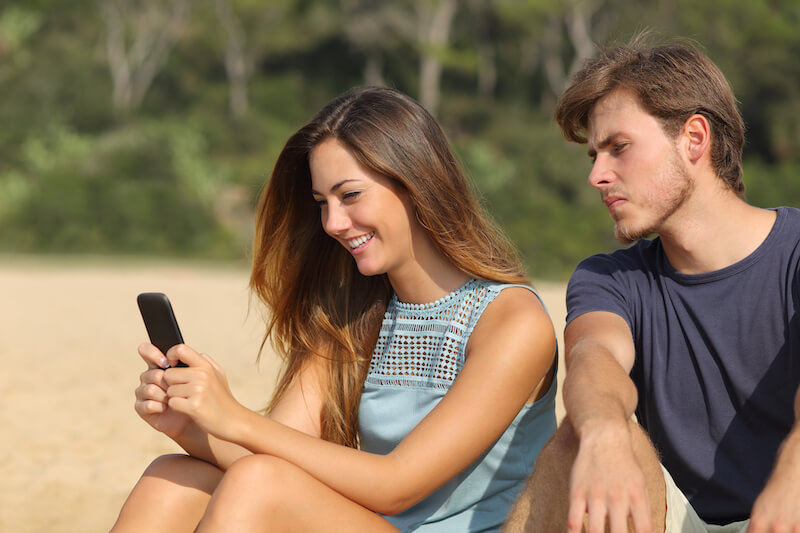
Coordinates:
[358,243]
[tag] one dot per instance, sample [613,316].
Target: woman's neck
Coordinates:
[427,283]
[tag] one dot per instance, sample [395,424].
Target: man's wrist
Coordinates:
[789,452]
[603,429]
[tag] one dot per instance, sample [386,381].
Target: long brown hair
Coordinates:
[672,81]
[320,305]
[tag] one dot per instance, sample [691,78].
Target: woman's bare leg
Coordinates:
[171,496]
[264,493]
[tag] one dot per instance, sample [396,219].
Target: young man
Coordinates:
[696,332]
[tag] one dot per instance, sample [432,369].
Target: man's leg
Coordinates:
[543,504]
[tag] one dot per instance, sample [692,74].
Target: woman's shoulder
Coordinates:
[515,311]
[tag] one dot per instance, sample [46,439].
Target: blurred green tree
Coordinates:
[142,126]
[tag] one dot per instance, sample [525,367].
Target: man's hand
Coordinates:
[777,508]
[607,485]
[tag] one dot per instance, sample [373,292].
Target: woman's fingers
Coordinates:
[151,391]
[149,407]
[152,356]
[212,363]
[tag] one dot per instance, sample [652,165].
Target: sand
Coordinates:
[71,446]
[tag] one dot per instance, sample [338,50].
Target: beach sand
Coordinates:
[71,446]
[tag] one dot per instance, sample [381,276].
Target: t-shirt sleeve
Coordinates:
[596,285]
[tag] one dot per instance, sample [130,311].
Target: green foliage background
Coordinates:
[177,172]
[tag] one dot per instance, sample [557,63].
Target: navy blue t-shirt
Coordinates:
[717,359]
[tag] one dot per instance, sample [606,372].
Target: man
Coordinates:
[696,332]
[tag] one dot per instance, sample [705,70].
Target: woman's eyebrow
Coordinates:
[335,186]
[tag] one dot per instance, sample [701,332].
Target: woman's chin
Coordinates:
[368,269]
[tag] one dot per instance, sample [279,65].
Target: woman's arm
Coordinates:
[509,360]
[299,408]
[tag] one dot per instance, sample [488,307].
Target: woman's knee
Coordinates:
[184,471]
[166,465]
[268,476]
[256,489]
[171,495]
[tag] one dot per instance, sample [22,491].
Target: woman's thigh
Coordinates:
[171,496]
[264,493]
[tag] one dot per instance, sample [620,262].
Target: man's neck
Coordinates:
[713,231]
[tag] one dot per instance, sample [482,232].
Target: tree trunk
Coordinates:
[434,36]
[154,28]
[578,29]
[235,60]
[373,69]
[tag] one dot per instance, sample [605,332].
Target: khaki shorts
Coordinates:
[681,517]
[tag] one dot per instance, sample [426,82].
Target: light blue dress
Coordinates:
[419,354]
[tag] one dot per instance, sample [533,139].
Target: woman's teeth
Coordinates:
[359,241]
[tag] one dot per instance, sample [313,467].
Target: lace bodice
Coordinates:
[418,356]
[423,345]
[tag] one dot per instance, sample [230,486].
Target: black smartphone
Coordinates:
[162,327]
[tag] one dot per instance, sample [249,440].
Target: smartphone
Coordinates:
[162,327]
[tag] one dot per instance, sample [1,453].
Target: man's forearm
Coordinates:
[597,388]
[788,460]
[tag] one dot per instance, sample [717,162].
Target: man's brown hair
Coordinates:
[672,81]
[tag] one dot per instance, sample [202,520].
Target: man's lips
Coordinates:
[612,202]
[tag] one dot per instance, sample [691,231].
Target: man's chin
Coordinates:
[628,236]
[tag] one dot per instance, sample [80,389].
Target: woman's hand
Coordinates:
[151,396]
[200,392]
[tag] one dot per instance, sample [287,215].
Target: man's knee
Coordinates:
[541,501]
[559,452]
[542,504]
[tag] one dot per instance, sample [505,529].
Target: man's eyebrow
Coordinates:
[335,186]
[602,144]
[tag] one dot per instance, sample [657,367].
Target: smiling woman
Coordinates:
[418,384]
[371,215]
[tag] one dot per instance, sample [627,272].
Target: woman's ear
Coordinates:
[697,131]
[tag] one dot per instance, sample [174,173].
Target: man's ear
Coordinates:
[697,131]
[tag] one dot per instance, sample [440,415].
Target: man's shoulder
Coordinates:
[791,216]
[613,281]
[641,257]
[783,241]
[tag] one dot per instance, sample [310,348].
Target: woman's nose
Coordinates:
[335,221]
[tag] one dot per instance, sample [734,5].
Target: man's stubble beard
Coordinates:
[677,177]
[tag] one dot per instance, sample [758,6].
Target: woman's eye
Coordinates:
[351,195]
[620,147]
[320,203]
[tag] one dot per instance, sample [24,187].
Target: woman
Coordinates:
[418,384]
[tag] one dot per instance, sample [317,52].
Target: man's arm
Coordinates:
[776,508]
[598,343]
[607,484]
